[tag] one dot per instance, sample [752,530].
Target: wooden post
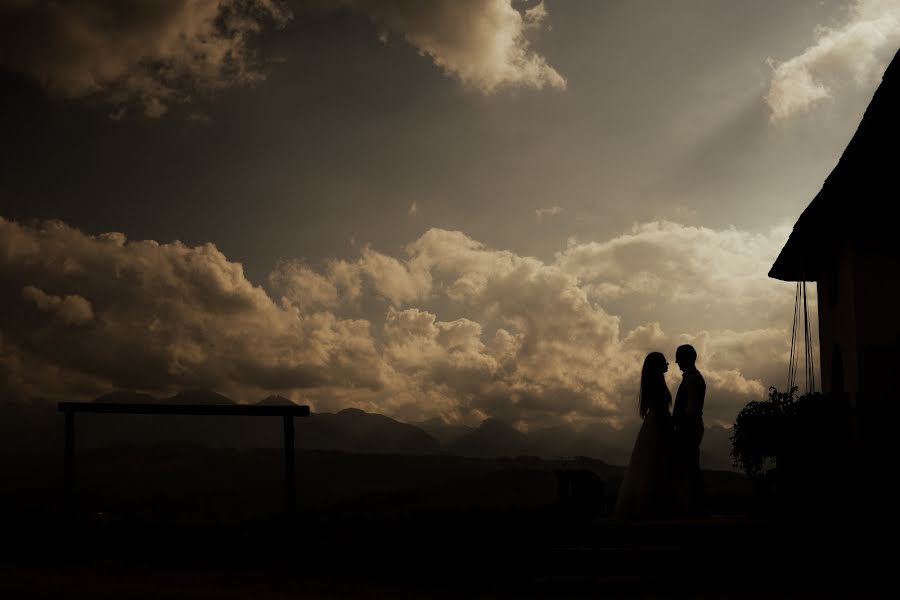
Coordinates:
[69,465]
[287,413]
[290,481]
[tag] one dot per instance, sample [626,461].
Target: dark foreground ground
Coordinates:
[185,522]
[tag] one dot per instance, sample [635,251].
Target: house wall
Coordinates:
[837,323]
[859,319]
[876,270]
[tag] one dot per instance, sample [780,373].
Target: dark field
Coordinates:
[187,521]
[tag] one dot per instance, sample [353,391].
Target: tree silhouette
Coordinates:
[758,431]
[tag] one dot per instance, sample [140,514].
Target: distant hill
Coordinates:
[595,440]
[445,433]
[350,430]
[555,441]
[198,396]
[354,430]
[275,401]
[491,439]
[37,427]
[127,398]
[189,396]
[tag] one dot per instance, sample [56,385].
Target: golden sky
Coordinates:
[463,208]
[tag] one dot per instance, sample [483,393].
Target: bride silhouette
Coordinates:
[648,490]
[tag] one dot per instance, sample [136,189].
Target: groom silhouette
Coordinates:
[687,417]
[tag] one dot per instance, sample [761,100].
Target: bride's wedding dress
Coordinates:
[648,490]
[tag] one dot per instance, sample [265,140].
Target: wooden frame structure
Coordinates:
[287,413]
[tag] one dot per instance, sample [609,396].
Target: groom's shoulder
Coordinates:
[696,377]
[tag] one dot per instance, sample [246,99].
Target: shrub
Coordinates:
[758,435]
[808,432]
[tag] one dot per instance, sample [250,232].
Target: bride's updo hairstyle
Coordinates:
[653,383]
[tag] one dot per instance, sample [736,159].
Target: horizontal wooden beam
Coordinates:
[125,408]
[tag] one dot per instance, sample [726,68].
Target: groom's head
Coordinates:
[685,356]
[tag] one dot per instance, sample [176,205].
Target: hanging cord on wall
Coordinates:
[801,319]
[808,349]
[792,368]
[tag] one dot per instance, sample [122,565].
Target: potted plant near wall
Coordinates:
[757,440]
[796,449]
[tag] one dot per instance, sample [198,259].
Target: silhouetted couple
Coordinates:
[663,479]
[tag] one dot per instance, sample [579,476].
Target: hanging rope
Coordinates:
[801,320]
[792,363]
[808,348]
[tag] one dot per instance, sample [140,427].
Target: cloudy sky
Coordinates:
[463,208]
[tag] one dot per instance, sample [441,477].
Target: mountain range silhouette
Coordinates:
[36,427]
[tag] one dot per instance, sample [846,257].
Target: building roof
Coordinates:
[853,201]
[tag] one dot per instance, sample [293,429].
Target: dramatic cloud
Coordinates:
[531,345]
[855,51]
[692,275]
[453,328]
[679,284]
[73,310]
[154,52]
[484,43]
[155,316]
